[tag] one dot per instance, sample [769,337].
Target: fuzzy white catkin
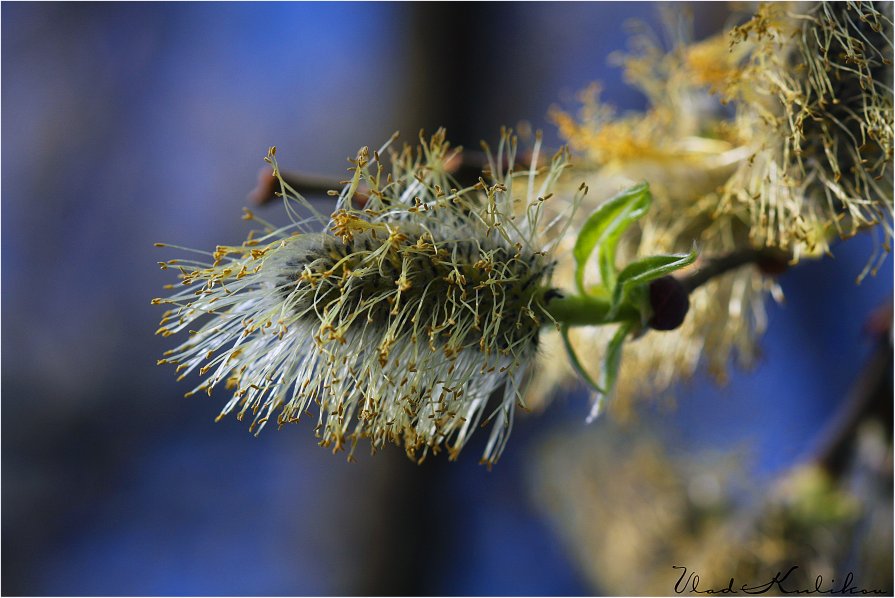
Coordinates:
[412,320]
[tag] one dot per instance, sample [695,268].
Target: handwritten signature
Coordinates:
[689,582]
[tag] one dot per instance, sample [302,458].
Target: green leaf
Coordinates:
[603,229]
[638,273]
[576,365]
[611,364]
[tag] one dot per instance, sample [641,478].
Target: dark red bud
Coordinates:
[670,302]
[772,264]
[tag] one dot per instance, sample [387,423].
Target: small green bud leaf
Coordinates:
[576,365]
[603,229]
[611,364]
[640,272]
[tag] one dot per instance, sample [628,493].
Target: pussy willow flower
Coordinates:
[410,319]
[777,133]
[813,98]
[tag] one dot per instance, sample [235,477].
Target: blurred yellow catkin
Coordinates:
[775,133]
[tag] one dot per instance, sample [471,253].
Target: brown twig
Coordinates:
[466,169]
[309,185]
[769,260]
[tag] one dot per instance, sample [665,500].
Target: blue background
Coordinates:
[127,124]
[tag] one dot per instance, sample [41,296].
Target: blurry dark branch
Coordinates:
[308,185]
[870,397]
[466,170]
[769,260]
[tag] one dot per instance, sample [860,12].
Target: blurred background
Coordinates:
[128,124]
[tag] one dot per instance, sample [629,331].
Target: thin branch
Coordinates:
[770,260]
[308,185]
[466,170]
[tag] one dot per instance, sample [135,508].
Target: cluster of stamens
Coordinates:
[409,321]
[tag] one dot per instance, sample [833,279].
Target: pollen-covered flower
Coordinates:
[410,318]
[777,134]
[813,99]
